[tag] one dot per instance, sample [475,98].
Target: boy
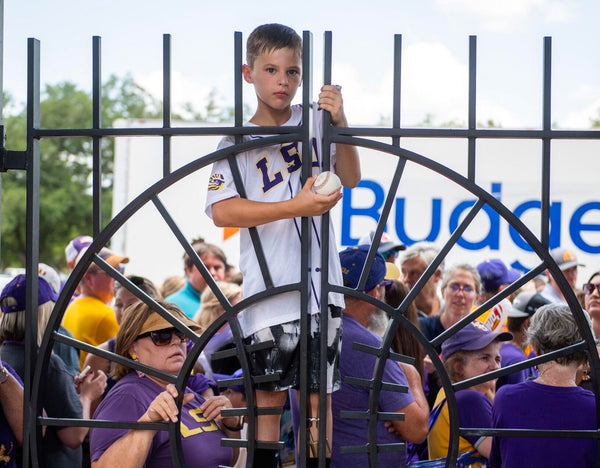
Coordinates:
[276,200]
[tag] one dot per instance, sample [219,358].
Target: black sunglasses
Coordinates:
[163,337]
[588,288]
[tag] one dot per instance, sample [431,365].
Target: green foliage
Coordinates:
[429,122]
[213,112]
[66,166]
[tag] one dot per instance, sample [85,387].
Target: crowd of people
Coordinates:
[534,323]
[140,333]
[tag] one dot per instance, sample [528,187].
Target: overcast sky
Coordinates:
[435,51]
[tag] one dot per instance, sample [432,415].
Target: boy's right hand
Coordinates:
[308,203]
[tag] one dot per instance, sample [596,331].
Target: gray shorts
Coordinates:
[284,356]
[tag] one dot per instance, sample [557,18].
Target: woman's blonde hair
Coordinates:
[12,324]
[209,303]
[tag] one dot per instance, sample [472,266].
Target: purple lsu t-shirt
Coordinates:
[474,410]
[347,432]
[8,443]
[530,405]
[129,399]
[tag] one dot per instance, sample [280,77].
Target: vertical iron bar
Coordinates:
[325,220]
[97,141]
[547,127]
[472,104]
[235,325]
[2,137]
[397,107]
[1,63]
[31,436]
[396,120]
[166,103]
[237,73]
[305,264]
[235,171]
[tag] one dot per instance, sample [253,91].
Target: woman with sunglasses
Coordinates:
[124,299]
[591,290]
[146,337]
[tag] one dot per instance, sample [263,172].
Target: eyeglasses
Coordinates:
[455,288]
[163,337]
[589,288]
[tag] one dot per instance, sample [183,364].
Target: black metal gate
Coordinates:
[29,161]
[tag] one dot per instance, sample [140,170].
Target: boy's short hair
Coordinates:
[269,37]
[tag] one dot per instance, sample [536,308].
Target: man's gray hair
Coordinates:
[553,327]
[426,250]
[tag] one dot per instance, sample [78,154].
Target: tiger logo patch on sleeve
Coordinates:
[216,181]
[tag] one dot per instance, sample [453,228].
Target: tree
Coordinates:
[66,166]
[213,112]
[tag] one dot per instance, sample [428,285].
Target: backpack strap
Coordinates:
[433,416]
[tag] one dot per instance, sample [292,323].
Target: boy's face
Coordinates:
[276,76]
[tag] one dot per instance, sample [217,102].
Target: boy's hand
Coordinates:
[330,99]
[308,203]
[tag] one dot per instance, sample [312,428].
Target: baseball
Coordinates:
[327,183]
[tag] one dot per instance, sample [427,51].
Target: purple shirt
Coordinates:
[8,444]
[512,354]
[217,341]
[474,410]
[348,432]
[199,383]
[530,405]
[128,401]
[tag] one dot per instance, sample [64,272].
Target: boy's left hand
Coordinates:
[330,99]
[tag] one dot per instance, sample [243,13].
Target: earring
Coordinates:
[135,358]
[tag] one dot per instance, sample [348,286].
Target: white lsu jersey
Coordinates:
[273,174]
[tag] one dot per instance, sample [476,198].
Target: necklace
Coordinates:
[555,375]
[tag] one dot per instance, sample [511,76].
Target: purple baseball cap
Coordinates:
[13,295]
[75,246]
[494,273]
[352,261]
[471,338]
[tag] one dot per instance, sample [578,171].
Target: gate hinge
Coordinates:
[11,159]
